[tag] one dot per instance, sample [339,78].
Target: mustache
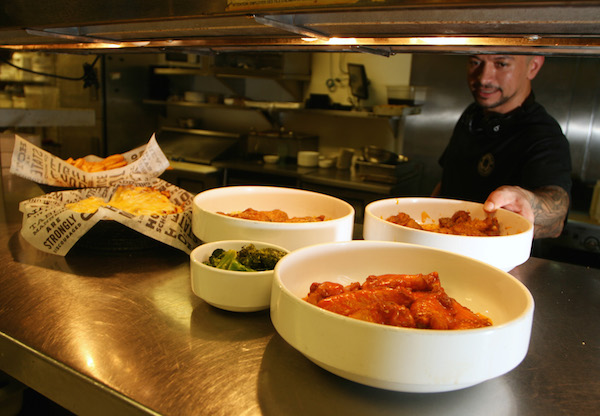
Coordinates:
[479,85]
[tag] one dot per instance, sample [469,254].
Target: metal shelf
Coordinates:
[21,117]
[407,110]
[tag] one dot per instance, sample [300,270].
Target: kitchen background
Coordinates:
[135,95]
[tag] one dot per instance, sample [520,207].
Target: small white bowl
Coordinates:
[506,251]
[210,226]
[397,358]
[271,159]
[226,289]
[325,163]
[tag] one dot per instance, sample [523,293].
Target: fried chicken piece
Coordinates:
[317,218]
[461,223]
[349,303]
[275,215]
[407,300]
[464,318]
[429,313]
[437,310]
[422,282]
[387,313]
[404,219]
[319,291]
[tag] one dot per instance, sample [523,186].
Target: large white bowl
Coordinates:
[511,248]
[395,358]
[209,226]
[227,289]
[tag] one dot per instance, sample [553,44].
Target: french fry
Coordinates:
[112,159]
[108,163]
[95,168]
[116,165]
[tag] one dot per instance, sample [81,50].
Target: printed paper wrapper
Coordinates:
[40,166]
[50,227]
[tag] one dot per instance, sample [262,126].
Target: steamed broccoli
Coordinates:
[215,257]
[259,259]
[226,260]
[248,259]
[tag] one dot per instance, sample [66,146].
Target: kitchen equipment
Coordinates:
[511,248]
[384,173]
[285,143]
[195,145]
[374,154]
[396,358]
[344,160]
[230,290]
[579,242]
[208,225]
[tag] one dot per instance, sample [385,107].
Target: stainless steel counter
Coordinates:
[122,333]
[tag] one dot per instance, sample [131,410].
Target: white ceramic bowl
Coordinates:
[396,358]
[210,226]
[271,159]
[511,248]
[325,163]
[226,289]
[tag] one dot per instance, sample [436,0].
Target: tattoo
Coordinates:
[550,205]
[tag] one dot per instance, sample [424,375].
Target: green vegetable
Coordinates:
[215,257]
[259,259]
[248,259]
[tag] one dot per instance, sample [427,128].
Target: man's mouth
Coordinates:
[486,91]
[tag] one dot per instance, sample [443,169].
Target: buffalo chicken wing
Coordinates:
[460,223]
[411,301]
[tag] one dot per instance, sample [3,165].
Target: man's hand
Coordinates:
[545,207]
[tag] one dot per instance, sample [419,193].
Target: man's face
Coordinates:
[500,83]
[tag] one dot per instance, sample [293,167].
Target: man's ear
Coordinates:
[535,64]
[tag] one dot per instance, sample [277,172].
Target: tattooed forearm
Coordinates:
[550,205]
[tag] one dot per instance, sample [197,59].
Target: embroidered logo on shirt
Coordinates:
[486,165]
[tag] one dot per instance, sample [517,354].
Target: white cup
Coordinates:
[308,158]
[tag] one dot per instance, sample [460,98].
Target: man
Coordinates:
[506,150]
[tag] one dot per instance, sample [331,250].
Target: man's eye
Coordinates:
[501,64]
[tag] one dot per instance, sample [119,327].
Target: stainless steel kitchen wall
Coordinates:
[128,122]
[569,88]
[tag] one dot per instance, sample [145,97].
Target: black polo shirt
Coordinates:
[525,147]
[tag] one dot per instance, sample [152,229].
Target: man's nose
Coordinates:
[486,73]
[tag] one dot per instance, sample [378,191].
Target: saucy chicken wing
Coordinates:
[460,223]
[411,301]
[275,215]
[410,281]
